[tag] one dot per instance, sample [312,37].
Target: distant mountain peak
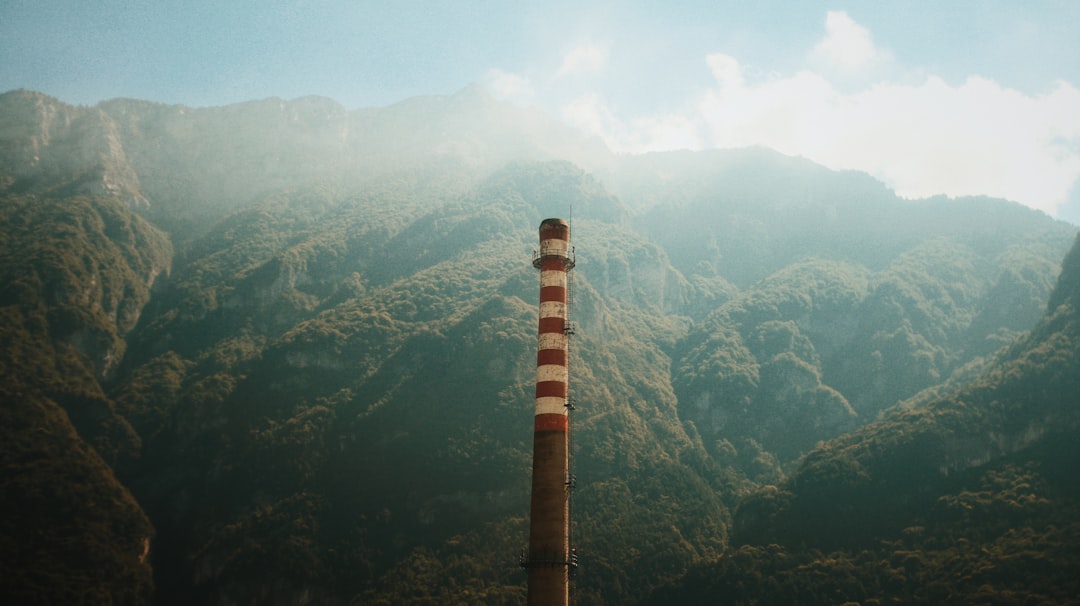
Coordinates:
[474,90]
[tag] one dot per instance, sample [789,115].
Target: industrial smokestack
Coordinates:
[549,559]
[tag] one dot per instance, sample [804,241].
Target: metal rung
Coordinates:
[525,561]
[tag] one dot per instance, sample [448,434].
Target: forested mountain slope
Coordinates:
[968,498]
[280,352]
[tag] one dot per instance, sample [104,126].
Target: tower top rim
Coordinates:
[555,221]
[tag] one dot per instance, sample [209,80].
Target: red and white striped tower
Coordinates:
[548,559]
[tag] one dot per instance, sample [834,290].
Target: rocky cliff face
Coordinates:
[191,165]
[47,145]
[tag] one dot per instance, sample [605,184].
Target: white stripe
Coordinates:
[551,372]
[553,277]
[554,246]
[552,309]
[550,405]
[551,340]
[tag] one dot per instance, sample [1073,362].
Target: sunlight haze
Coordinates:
[957,98]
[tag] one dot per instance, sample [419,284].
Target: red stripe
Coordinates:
[553,264]
[555,324]
[550,422]
[551,389]
[553,293]
[551,356]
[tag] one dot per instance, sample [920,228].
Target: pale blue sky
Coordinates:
[365,53]
[871,85]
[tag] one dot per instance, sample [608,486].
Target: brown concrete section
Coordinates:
[548,586]
[557,229]
[549,539]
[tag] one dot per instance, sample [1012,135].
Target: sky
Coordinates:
[953,97]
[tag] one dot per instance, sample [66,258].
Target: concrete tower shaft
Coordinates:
[548,558]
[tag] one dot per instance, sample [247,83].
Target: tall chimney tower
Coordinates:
[549,559]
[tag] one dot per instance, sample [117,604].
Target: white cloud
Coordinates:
[922,137]
[590,114]
[584,59]
[925,139]
[651,133]
[846,44]
[506,85]
[666,132]
[725,70]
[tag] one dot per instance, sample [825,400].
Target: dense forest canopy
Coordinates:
[279,352]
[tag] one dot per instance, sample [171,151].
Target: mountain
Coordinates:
[280,351]
[190,167]
[968,498]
